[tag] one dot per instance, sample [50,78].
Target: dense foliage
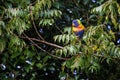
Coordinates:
[36,41]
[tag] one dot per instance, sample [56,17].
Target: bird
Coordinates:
[78,28]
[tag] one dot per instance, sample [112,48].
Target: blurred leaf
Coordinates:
[62,75]
[15,55]
[39,65]
[46,58]
[28,53]
[76,63]
[67,29]
[2,45]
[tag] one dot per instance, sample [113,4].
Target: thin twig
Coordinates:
[45,42]
[45,50]
[33,3]
[32,19]
[59,29]
[48,43]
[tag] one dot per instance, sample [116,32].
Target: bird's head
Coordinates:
[76,23]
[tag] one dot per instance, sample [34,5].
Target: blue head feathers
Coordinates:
[76,22]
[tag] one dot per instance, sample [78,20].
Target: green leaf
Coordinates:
[98,9]
[57,5]
[71,49]
[2,45]
[60,38]
[114,21]
[65,51]
[61,51]
[63,38]
[108,60]
[86,2]
[94,67]
[62,75]
[55,38]
[45,59]
[0,31]
[76,63]
[2,24]
[15,55]
[39,65]
[67,39]
[67,30]
[28,53]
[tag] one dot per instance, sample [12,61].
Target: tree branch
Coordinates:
[32,19]
[43,41]
[44,50]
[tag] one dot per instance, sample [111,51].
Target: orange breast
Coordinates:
[77,29]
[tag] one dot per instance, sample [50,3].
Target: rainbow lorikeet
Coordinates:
[78,28]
